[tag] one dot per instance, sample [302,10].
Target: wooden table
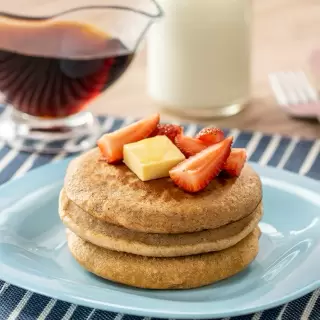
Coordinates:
[285,33]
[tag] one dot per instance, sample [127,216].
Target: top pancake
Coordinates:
[113,193]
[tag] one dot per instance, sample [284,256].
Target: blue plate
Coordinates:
[34,254]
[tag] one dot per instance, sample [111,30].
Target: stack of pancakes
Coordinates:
[153,234]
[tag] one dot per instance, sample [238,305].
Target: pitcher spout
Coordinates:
[94,22]
[148,8]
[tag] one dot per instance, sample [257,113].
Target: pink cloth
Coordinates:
[305,110]
[314,62]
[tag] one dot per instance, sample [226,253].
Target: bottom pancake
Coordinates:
[164,273]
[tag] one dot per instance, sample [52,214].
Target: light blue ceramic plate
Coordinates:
[34,254]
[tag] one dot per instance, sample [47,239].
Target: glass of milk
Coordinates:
[198,57]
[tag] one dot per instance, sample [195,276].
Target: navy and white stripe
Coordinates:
[291,153]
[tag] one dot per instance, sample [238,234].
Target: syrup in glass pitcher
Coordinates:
[56,59]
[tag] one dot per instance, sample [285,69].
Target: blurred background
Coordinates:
[285,32]
[202,55]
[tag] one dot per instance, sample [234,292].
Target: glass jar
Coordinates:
[198,57]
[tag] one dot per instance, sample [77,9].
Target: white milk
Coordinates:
[199,56]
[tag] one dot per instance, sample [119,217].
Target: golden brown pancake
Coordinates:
[164,273]
[113,193]
[113,237]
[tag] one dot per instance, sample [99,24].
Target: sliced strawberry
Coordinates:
[235,162]
[169,130]
[210,135]
[195,173]
[189,146]
[111,144]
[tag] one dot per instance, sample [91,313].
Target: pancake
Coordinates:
[113,193]
[113,237]
[164,273]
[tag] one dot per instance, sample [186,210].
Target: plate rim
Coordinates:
[9,273]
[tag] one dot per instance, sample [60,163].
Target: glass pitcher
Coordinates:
[56,58]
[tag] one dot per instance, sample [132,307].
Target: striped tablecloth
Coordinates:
[291,153]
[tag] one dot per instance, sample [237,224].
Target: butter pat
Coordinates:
[152,158]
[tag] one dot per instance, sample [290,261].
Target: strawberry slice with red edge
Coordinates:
[189,146]
[169,130]
[235,162]
[194,174]
[111,144]
[210,135]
